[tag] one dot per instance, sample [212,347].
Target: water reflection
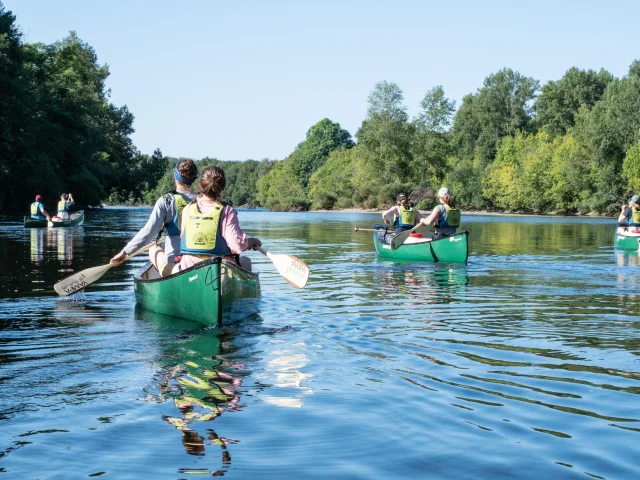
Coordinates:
[53,240]
[423,285]
[200,383]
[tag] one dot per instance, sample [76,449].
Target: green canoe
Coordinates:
[446,249]
[75,219]
[627,237]
[210,292]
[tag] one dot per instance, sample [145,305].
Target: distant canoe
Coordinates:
[627,237]
[446,249]
[211,292]
[76,219]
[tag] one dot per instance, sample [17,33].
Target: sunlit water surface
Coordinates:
[523,363]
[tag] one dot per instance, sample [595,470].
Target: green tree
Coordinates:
[608,130]
[322,138]
[331,185]
[559,102]
[431,145]
[386,134]
[631,168]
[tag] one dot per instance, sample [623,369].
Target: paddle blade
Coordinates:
[292,269]
[399,239]
[78,281]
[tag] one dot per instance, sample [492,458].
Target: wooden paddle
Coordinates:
[292,269]
[399,239]
[78,281]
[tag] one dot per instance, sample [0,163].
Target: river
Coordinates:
[522,363]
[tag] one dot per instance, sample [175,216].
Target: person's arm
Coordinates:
[431,219]
[418,215]
[146,234]
[71,200]
[393,210]
[44,212]
[236,239]
[624,215]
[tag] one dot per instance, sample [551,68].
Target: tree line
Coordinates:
[58,130]
[570,146]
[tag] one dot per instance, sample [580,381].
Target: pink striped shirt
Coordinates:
[230,228]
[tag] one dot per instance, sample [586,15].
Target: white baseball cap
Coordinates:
[443,191]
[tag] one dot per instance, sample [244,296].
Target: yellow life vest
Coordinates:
[635,218]
[62,206]
[200,232]
[175,226]
[407,216]
[451,218]
[35,208]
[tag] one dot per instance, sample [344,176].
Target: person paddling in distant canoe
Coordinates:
[444,217]
[405,215]
[37,210]
[166,214]
[630,214]
[66,200]
[210,227]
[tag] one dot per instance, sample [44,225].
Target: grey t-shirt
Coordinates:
[163,213]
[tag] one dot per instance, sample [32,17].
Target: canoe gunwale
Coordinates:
[29,222]
[210,261]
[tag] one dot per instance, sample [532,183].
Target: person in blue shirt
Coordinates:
[37,210]
[631,213]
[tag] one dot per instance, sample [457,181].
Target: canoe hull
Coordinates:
[77,219]
[627,239]
[451,249]
[211,292]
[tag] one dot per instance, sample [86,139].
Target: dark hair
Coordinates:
[187,169]
[213,181]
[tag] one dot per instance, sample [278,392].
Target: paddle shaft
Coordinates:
[358,229]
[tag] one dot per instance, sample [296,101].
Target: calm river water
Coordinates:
[521,364]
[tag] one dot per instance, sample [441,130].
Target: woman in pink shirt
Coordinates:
[210,227]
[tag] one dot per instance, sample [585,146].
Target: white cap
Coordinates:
[443,191]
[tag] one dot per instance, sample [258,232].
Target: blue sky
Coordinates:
[246,79]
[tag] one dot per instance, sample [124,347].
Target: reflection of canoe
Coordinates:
[449,249]
[76,219]
[627,237]
[210,292]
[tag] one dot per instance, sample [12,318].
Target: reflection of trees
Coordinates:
[517,237]
[198,383]
[428,285]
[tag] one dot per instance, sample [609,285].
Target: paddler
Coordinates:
[37,210]
[444,217]
[166,214]
[405,215]
[210,227]
[66,200]
[630,214]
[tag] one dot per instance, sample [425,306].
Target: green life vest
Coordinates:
[201,235]
[451,217]
[35,210]
[407,216]
[635,218]
[175,226]
[62,206]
